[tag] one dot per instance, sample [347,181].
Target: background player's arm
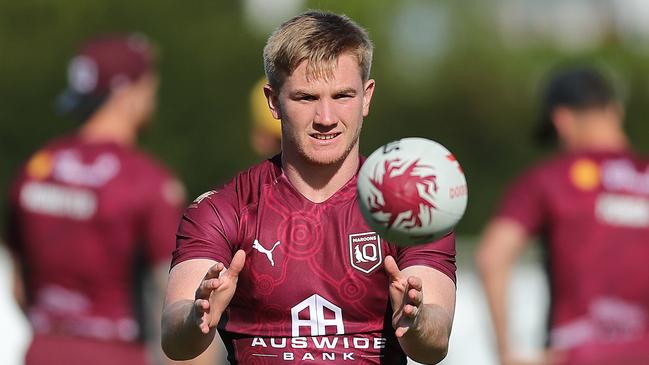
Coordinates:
[13,248]
[18,283]
[501,245]
[190,315]
[423,301]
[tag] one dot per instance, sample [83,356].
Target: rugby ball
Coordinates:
[412,191]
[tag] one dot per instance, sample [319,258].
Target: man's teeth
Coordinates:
[324,136]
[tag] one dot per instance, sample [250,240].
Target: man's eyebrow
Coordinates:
[348,90]
[301,92]
[344,91]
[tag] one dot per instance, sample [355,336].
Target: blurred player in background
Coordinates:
[89,209]
[286,229]
[266,132]
[589,204]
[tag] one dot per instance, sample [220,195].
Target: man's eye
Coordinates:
[307,97]
[343,96]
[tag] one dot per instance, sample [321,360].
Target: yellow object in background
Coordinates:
[261,115]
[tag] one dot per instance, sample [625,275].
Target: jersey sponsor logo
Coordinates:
[606,320]
[365,252]
[201,197]
[622,210]
[621,175]
[70,168]
[58,201]
[318,334]
[323,348]
[316,314]
[268,252]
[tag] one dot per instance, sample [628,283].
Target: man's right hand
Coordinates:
[215,292]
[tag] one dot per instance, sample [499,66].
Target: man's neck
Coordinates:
[108,127]
[613,140]
[319,182]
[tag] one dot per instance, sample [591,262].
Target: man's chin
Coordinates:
[326,159]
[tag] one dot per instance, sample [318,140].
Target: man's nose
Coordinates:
[325,113]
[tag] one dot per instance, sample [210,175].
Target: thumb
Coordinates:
[237,263]
[391,267]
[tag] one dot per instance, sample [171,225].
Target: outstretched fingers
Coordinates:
[206,287]
[415,290]
[237,263]
[401,331]
[210,281]
[214,271]
[391,268]
[202,308]
[215,291]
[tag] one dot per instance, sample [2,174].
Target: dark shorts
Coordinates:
[66,350]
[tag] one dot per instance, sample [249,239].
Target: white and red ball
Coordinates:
[412,191]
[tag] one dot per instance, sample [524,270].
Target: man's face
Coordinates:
[322,118]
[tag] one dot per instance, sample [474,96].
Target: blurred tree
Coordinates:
[475,92]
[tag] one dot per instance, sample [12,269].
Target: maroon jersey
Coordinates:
[592,209]
[81,216]
[313,288]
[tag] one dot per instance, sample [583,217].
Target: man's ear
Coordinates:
[368,91]
[561,119]
[273,101]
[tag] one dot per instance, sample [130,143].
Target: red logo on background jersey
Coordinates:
[401,193]
[365,251]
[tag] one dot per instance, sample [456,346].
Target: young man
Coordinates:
[590,205]
[292,292]
[88,207]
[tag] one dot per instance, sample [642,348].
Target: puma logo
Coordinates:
[269,253]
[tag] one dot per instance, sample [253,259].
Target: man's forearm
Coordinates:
[181,337]
[427,343]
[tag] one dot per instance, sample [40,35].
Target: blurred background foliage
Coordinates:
[463,73]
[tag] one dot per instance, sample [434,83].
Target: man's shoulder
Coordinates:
[549,168]
[248,184]
[143,161]
[244,188]
[552,162]
[56,144]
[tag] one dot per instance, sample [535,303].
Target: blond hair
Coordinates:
[318,38]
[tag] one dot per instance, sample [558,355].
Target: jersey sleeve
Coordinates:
[523,202]
[161,219]
[208,229]
[439,255]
